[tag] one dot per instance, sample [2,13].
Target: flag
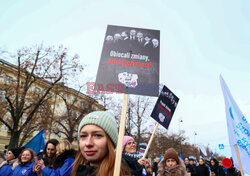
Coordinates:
[37,143]
[202,151]
[202,155]
[238,130]
[181,157]
[160,158]
[211,155]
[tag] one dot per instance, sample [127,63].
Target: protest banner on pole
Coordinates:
[129,64]
[165,107]
[238,131]
[129,61]
[163,111]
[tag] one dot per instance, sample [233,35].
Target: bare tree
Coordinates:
[140,108]
[162,141]
[76,108]
[41,67]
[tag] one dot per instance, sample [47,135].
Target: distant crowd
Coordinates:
[98,136]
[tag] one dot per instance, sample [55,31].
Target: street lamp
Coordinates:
[195,134]
[180,120]
[195,151]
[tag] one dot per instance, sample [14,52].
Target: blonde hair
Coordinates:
[107,165]
[63,146]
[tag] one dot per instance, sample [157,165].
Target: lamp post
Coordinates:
[180,120]
[195,134]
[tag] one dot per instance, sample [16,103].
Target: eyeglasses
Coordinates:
[131,143]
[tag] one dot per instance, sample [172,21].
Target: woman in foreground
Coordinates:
[98,137]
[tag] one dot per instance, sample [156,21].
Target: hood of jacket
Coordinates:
[178,170]
[62,157]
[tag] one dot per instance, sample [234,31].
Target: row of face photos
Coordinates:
[133,36]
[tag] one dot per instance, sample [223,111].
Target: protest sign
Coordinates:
[165,107]
[129,61]
[163,111]
[129,64]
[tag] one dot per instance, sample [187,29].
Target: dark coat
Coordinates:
[49,162]
[202,170]
[85,170]
[191,169]
[193,173]
[62,165]
[132,164]
[221,171]
[155,167]
[218,170]
[232,172]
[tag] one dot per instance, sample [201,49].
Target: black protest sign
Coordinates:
[165,107]
[129,61]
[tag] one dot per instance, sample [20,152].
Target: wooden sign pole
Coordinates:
[118,155]
[238,157]
[150,141]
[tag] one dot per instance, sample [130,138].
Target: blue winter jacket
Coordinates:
[64,170]
[24,170]
[6,170]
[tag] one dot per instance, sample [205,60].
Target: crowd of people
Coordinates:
[98,136]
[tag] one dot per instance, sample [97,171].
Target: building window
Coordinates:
[7,79]
[2,95]
[82,103]
[19,97]
[37,90]
[74,100]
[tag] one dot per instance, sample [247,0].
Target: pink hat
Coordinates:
[125,141]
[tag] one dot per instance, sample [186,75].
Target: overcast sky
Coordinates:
[199,41]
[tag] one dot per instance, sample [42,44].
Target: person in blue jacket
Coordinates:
[25,168]
[49,153]
[65,156]
[6,167]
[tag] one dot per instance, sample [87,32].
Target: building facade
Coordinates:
[62,103]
